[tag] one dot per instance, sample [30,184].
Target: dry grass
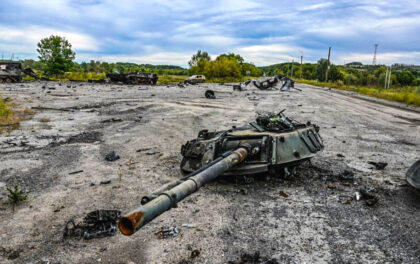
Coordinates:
[44,120]
[10,116]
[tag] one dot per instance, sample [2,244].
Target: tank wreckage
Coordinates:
[12,72]
[285,82]
[132,78]
[273,143]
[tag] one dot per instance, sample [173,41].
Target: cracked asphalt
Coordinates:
[319,221]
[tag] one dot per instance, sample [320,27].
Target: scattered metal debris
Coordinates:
[143,149]
[378,165]
[241,86]
[96,224]
[346,175]
[255,258]
[286,83]
[151,152]
[210,94]
[75,172]
[366,194]
[413,175]
[187,226]
[283,194]
[112,120]
[112,156]
[166,232]
[266,84]
[195,253]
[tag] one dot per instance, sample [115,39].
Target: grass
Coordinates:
[5,112]
[16,195]
[171,78]
[10,116]
[406,95]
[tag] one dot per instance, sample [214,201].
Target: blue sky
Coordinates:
[169,32]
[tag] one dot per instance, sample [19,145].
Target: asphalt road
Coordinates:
[318,222]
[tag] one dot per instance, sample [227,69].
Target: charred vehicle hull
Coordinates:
[133,78]
[273,141]
[280,149]
[12,72]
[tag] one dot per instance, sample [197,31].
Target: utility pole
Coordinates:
[386,79]
[374,55]
[328,65]
[291,76]
[389,77]
[301,59]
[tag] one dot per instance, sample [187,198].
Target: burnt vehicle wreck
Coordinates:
[285,83]
[273,143]
[12,72]
[132,78]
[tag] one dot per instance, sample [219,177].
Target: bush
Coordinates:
[350,79]
[15,195]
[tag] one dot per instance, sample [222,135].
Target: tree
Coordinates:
[56,54]
[321,69]
[248,69]
[231,56]
[334,74]
[406,78]
[199,56]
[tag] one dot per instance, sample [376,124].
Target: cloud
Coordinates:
[316,6]
[27,38]
[264,31]
[268,54]
[173,58]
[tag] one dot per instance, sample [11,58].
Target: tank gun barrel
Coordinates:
[164,201]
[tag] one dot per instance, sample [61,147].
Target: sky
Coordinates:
[264,32]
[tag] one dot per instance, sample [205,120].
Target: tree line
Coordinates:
[349,74]
[56,57]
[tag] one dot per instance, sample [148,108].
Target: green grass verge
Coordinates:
[171,78]
[4,111]
[407,95]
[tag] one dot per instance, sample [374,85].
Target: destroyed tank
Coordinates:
[12,72]
[282,144]
[273,143]
[133,78]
